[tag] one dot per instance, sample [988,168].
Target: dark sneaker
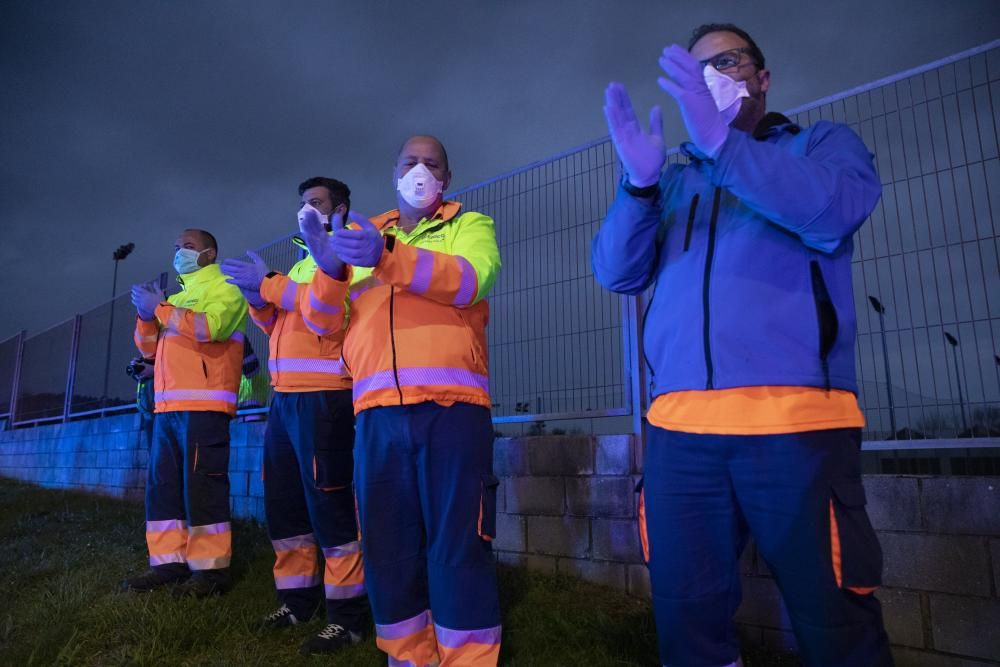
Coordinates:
[282,617]
[203,584]
[152,579]
[330,639]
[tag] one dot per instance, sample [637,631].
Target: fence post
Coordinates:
[16,383]
[74,353]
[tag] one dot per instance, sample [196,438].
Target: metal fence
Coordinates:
[564,350]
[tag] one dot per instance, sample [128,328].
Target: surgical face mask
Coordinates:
[727,93]
[418,187]
[186,260]
[325,219]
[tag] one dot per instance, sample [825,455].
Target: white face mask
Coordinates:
[325,219]
[418,187]
[186,260]
[726,92]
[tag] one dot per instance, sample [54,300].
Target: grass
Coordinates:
[63,554]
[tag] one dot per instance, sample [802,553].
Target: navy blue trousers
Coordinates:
[426,498]
[800,497]
[309,503]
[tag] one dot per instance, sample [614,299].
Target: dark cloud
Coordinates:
[128,121]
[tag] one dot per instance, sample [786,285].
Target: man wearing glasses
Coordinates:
[755,425]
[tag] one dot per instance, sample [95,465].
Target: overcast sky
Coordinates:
[129,121]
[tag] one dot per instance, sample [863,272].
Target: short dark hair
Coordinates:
[702,30]
[444,153]
[207,239]
[339,192]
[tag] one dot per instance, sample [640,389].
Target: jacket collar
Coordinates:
[772,124]
[203,275]
[445,213]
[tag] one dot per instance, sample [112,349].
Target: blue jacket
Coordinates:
[750,255]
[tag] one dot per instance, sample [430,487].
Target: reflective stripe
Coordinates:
[404,628]
[208,563]
[165,524]
[317,329]
[363,286]
[459,638]
[413,377]
[146,339]
[318,305]
[289,543]
[237,336]
[201,332]
[342,550]
[269,322]
[422,271]
[195,395]
[344,592]
[165,559]
[393,662]
[331,366]
[175,319]
[467,285]
[299,581]
[210,529]
[288,295]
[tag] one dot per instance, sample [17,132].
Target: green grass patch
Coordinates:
[64,553]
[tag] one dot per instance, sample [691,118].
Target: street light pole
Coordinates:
[121,253]
[880,309]
[958,378]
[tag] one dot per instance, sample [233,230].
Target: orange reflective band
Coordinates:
[410,640]
[862,591]
[344,569]
[643,535]
[298,562]
[165,542]
[210,547]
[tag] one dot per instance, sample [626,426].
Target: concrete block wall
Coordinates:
[567,504]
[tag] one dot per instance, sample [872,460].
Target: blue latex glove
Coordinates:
[246,275]
[253,297]
[641,154]
[146,298]
[319,241]
[705,126]
[359,247]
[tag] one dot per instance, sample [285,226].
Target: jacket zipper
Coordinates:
[709,255]
[392,341]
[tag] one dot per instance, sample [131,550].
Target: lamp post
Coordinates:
[118,255]
[880,309]
[958,378]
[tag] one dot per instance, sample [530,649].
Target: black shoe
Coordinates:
[202,584]
[154,578]
[282,617]
[330,639]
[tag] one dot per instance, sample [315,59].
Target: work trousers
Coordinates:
[800,497]
[309,503]
[427,502]
[187,492]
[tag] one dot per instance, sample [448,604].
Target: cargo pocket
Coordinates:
[211,459]
[854,548]
[486,527]
[333,468]
[641,520]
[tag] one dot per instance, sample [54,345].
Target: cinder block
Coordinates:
[908,657]
[638,581]
[600,496]
[614,455]
[947,564]
[893,502]
[255,485]
[501,496]
[238,484]
[969,505]
[962,625]
[762,604]
[560,455]
[510,533]
[603,573]
[536,495]
[556,536]
[616,540]
[510,458]
[902,616]
[532,563]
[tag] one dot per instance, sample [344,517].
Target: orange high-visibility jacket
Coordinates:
[418,319]
[304,356]
[196,338]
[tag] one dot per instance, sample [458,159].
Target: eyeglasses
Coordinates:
[727,60]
